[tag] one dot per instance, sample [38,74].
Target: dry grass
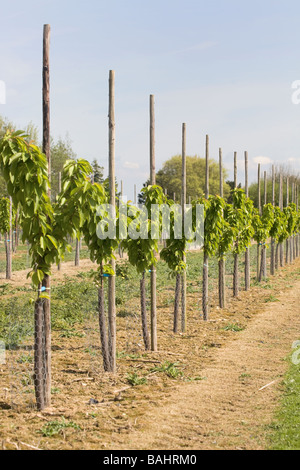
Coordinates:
[213,402]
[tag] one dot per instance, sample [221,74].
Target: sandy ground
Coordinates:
[227,409]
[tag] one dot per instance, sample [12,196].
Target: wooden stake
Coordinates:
[8,244]
[272,267]
[59,191]
[247,253]
[222,301]
[183,203]
[281,247]
[112,201]
[46,150]
[287,250]
[235,169]
[153,270]
[205,299]
[207,168]
[259,210]
[236,256]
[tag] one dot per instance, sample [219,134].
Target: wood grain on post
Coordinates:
[246,174]
[46,283]
[207,167]
[236,256]
[8,243]
[205,299]
[273,261]
[153,314]
[112,202]
[259,210]
[183,203]
[59,191]
[281,246]
[222,301]
[287,246]
[235,170]
[46,97]
[221,173]
[247,253]
[293,247]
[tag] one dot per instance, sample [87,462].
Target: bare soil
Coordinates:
[217,403]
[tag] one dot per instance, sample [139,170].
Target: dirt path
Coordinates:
[228,410]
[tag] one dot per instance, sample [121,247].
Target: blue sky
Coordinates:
[225,68]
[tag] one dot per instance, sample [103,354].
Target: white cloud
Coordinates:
[131,165]
[262,160]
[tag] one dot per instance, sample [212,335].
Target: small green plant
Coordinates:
[70,333]
[133,379]
[271,298]
[53,428]
[244,376]
[25,359]
[197,378]
[170,369]
[234,327]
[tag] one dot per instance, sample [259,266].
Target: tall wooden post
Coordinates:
[183,204]
[281,248]
[222,301]
[264,249]
[287,249]
[205,299]
[59,191]
[259,210]
[46,150]
[272,267]
[236,256]
[235,170]
[112,201]
[8,244]
[247,253]
[297,234]
[293,246]
[153,270]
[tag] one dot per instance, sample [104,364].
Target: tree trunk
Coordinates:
[47,342]
[281,250]
[205,288]
[222,302]
[262,264]
[287,251]
[247,269]
[183,301]
[7,242]
[39,354]
[277,256]
[177,303]
[146,336]
[258,262]
[102,325]
[77,252]
[236,276]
